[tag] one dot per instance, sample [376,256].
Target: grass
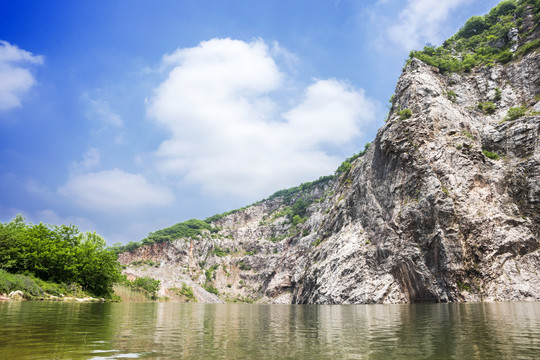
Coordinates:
[127,294]
[35,288]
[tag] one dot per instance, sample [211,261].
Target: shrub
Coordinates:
[405,114]
[474,26]
[186,291]
[220,252]
[486,107]
[211,289]
[498,94]
[491,155]
[515,112]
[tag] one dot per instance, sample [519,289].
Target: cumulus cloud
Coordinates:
[227,133]
[114,190]
[17,79]
[420,22]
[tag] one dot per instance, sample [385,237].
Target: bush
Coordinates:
[515,112]
[144,284]
[405,114]
[474,26]
[498,95]
[486,107]
[491,155]
[211,289]
[220,252]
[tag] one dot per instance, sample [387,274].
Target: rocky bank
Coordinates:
[444,206]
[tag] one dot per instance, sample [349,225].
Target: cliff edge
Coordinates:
[443,206]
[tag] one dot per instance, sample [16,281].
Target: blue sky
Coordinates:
[126,116]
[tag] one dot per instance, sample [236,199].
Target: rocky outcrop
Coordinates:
[444,206]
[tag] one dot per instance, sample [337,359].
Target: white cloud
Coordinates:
[421,21]
[114,190]
[91,159]
[226,132]
[100,111]
[16,78]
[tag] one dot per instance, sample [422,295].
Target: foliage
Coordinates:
[34,287]
[243,266]
[186,291]
[211,289]
[220,252]
[483,39]
[498,94]
[190,229]
[405,114]
[147,262]
[145,284]
[347,164]
[486,107]
[491,155]
[451,95]
[467,134]
[58,254]
[515,112]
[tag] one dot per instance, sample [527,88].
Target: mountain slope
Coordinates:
[443,206]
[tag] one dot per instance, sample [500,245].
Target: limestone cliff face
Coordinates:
[425,215]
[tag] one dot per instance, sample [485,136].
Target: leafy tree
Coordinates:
[58,253]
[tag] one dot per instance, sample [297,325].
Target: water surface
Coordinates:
[41,330]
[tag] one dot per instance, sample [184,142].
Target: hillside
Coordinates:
[444,205]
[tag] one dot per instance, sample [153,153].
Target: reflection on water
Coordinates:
[33,330]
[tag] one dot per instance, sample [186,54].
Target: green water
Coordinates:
[37,330]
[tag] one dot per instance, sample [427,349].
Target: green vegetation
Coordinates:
[490,155]
[186,292]
[483,39]
[515,112]
[221,252]
[35,288]
[243,266]
[405,114]
[146,285]
[296,202]
[147,262]
[486,107]
[58,254]
[451,95]
[190,229]
[467,134]
[498,95]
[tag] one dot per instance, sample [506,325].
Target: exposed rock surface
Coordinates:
[425,215]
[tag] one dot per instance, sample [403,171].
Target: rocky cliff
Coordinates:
[443,206]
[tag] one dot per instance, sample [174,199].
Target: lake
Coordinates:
[48,330]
